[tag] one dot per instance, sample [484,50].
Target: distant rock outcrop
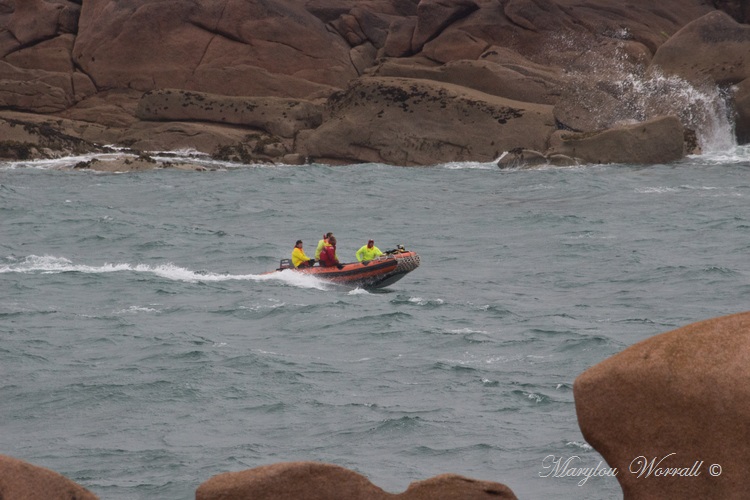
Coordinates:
[713,49]
[278,116]
[416,122]
[661,140]
[233,48]
[671,412]
[85,67]
[741,97]
[313,481]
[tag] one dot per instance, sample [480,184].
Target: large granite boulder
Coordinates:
[76,60]
[714,49]
[41,91]
[115,109]
[433,16]
[418,122]
[36,70]
[232,48]
[513,78]
[660,140]
[275,115]
[223,142]
[27,137]
[318,481]
[557,33]
[741,100]
[30,22]
[671,412]
[738,9]
[22,480]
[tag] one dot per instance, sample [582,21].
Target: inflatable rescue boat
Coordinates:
[377,273]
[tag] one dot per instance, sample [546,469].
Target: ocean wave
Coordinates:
[737,155]
[717,191]
[534,397]
[419,301]
[582,445]
[138,309]
[469,165]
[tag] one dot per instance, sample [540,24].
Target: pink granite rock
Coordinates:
[21,480]
[667,409]
[318,481]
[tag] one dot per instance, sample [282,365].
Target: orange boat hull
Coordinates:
[377,273]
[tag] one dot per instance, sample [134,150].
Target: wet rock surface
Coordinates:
[674,402]
[104,71]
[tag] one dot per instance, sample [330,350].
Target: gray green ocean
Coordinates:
[143,350]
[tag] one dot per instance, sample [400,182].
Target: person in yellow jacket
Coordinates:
[368,252]
[299,259]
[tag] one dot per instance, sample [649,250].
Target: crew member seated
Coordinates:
[368,252]
[299,259]
[328,257]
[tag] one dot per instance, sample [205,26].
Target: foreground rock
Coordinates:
[673,401]
[313,481]
[22,480]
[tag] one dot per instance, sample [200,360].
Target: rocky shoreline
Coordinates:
[404,82]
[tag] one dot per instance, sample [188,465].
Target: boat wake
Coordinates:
[34,264]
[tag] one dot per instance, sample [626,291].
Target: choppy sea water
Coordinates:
[144,351]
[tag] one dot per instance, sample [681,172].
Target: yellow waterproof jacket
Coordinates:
[366,253]
[298,257]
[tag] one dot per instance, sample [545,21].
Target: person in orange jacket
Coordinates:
[321,243]
[328,257]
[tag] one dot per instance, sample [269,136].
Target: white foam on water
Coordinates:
[579,444]
[137,309]
[62,162]
[729,156]
[48,264]
[466,331]
[176,156]
[424,302]
[470,165]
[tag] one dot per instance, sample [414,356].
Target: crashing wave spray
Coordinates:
[622,89]
[703,110]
